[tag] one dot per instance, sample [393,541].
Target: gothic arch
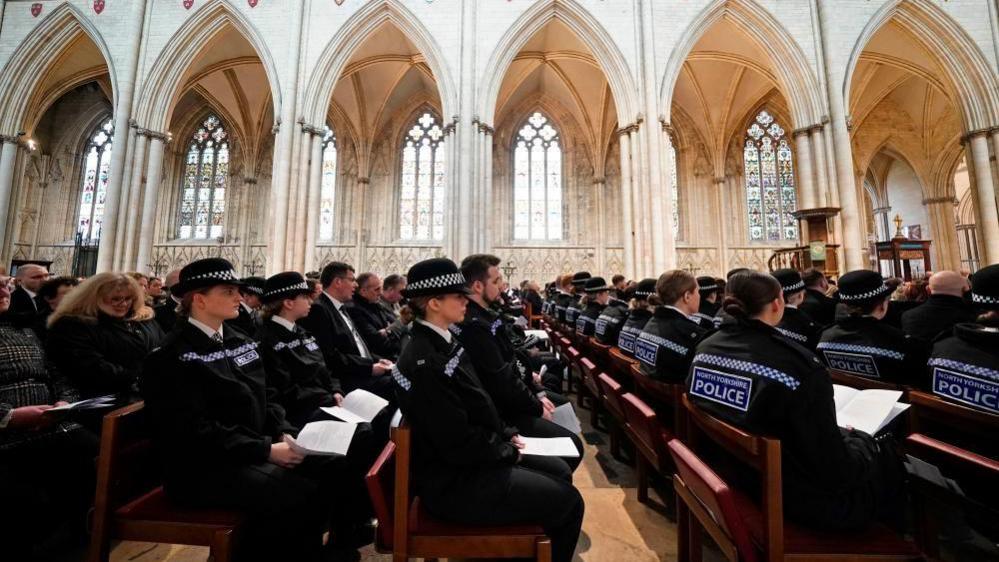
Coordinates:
[794,75]
[957,54]
[20,78]
[333,60]
[587,29]
[162,85]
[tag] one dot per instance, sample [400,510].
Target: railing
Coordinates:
[798,258]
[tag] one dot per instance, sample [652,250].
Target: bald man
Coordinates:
[24,300]
[944,308]
[166,313]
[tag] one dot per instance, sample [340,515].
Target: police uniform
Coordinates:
[632,327]
[464,467]
[562,301]
[573,307]
[865,346]
[666,345]
[213,425]
[795,324]
[964,366]
[249,319]
[609,323]
[586,322]
[707,286]
[749,375]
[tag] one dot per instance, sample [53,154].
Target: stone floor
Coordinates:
[616,527]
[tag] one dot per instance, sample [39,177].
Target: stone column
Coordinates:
[8,155]
[134,200]
[363,186]
[628,236]
[122,116]
[882,228]
[664,196]
[298,212]
[244,223]
[312,212]
[123,202]
[818,139]
[988,219]
[945,246]
[477,187]
[640,206]
[803,162]
[488,203]
[725,185]
[157,142]
[599,193]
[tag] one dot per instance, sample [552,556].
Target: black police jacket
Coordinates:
[208,405]
[455,424]
[866,347]
[818,307]
[496,363]
[166,314]
[938,314]
[610,321]
[586,322]
[798,326]
[297,376]
[749,375]
[562,302]
[369,319]
[666,345]
[573,309]
[103,355]
[964,367]
[632,327]
[247,322]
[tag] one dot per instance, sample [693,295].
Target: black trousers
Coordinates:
[531,426]
[514,495]
[48,483]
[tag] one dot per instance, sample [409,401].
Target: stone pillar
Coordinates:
[8,155]
[134,200]
[244,224]
[628,236]
[123,202]
[488,203]
[157,142]
[882,226]
[477,187]
[277,211]
[803,162]
[945,245]
[363,186]
[312,212]
[818,139]
[664,196]
[726,185]
[298,212]
[988,220]
[599,193]
[122,117]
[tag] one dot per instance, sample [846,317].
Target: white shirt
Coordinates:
[446,334]
[685,315]
[32,295]
[284,322]
[205,328]
[246,307]
[361,346]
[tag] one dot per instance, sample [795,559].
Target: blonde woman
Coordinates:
[100,334]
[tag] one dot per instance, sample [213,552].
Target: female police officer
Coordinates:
[749,375]
[465,461]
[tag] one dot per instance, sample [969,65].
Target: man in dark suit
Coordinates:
[391,297]
[817,305]
[344,350]
[24,301]
[942,310]
[166,312]
[373,320]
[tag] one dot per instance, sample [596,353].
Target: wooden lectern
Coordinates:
[902,257]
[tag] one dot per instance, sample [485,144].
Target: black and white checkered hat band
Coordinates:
[983,299]
[447,280]
[303,286]
[224,275]
[254,289]
[642,294]
[863,296]
[705,288]
[796,287]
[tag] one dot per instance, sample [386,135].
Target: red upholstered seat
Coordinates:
[155,505]
[422,522]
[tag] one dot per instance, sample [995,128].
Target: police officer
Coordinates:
[597,298]
[861,344]
[613,317]
[466,461]
[748,375]
[250,291]
[574,306]
[796,324]
[638,316]
[964,365]
[710,303]
[563,297]
[666,344]
[221,440]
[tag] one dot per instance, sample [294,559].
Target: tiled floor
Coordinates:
[616,527]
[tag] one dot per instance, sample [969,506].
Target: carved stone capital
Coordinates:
[939,200]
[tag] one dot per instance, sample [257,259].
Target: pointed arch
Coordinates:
[795,78]
[956,53]
[26,69]
[163,84]
[352,34]
[586,28]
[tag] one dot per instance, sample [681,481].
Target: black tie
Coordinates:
[217,338]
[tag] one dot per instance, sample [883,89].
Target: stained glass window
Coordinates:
[421,201]
[329,184]
[97,160]
[770,193]
[206,176]
[674,188]
[537,181]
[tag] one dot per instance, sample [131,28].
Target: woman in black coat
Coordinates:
[100,335]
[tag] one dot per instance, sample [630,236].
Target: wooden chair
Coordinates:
[612,392]
[663,396]
[130,503]
[730,516]
[533,320]
[572,357]
[650,438]
[599,353]
[407,531]
[588,374]
[620,365]
[863,383]
[960,441]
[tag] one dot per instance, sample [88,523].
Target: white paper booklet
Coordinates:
[540,334]
[323,438]
[866,410]
[359,406]
[549,446]
[88,404]
[565,416]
